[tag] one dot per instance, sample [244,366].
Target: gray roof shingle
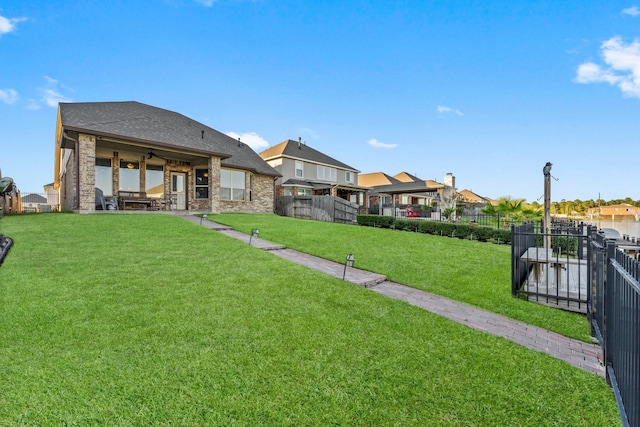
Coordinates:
[156,126]
[296,150]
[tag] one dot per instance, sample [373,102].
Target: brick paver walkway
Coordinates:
[586,356]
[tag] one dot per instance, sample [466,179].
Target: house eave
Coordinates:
[126,140]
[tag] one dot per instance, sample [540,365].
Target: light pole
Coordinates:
[547,205]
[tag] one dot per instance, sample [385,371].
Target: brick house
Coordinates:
[308,172]
[623,211]
[405,189]
[158,158]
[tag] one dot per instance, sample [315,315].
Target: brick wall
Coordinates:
[262,196]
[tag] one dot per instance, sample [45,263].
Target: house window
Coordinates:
[202,183]
[154,180]
[405,200]
[348,177]
[288,191]
[304,191]
[326,173]
[386,200]
[104,179]
[299,169]
[232,184]
[129,176]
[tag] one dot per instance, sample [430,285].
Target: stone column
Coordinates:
[87,173]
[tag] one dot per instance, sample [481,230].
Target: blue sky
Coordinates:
[487,90]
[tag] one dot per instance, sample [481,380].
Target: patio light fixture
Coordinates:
[254,233]
[348,262]
[130,165]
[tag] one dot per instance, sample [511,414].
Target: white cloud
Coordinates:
[443,109]
[8,96]
[633,11]
[33,105]
[7,25]
[622,70]
[206,3]
[252,139]
[377,144]
[50,94]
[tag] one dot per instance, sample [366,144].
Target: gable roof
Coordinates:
[400,183]
[33,198]
[471,197]
[142,123]
[296,150]
[374,179]
[407,177]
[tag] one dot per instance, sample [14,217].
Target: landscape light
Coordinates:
[348,262]
[254,233]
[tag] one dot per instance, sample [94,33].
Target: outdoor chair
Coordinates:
[100,201]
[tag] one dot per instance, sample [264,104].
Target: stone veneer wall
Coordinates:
[87,167]
[263,196]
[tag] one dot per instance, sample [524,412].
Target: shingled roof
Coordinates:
[155,126]
[374,179]
[296,150]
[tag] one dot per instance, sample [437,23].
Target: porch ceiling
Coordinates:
[144,149]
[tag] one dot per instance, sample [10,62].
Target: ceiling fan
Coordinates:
[151,155]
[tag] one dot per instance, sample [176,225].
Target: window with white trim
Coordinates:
[232,185]
[299,169]
[304,191]
[349,177]
[326,173]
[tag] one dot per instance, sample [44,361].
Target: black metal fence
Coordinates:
[551,267]
[424,212]
[577,267]
[614,314]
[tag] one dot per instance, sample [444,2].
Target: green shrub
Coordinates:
[449,229]
[376,221]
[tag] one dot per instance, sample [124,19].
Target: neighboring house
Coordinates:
[473,202]
[53,196]
[157,157]
[407,189]
[623,211]
[308,172]
[33,202]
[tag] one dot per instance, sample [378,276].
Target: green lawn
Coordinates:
[153,320]
[472,272]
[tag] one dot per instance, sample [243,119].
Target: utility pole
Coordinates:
[547,205]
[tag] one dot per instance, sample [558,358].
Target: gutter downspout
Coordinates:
[58,152]
[275,196]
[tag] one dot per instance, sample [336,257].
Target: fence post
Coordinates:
[609,306]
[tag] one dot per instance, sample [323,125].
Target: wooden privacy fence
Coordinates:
[319,208]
